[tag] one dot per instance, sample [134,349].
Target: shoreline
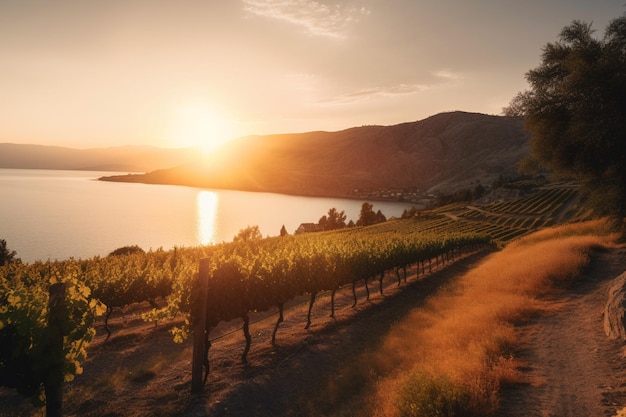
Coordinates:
[140,179]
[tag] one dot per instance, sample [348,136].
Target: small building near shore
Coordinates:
[307,228]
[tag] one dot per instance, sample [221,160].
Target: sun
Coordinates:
[201,127]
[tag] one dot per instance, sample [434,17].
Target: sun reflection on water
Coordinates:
[207,217]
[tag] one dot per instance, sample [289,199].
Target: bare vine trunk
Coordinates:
[207,365]
[246,333]
[308,317]
[107,314]
[280,320]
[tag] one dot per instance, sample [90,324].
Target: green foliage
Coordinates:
[425,395]
[529,166]
[248,234]
[126,250]
[411,213]
[604,197]
[257,275]
[24,333]
[6,255]
[368,217]
[466,195]
[246,275]
[333,221]
[576,107]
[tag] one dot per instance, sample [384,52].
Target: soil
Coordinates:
[572,368]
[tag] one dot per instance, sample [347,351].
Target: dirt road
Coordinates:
[574,370]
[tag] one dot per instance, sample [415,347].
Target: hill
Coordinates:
[123,158]
[446,151]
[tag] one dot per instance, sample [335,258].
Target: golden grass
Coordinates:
[464,336]
[90,395]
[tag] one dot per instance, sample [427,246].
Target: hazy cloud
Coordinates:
[448,75]
[435,79]
[317,18]
[378,91]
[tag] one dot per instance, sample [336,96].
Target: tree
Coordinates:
[283,231]
[248,234]
[369,217]
[410,213]
[6,255]
[334,220]
[380,217]
[479,191]
[576,108]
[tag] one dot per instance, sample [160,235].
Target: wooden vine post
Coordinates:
[199,294]
[57,318]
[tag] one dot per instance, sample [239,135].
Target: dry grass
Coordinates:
[461,342]
[115,382]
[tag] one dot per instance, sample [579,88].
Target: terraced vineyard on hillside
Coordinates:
[506,220]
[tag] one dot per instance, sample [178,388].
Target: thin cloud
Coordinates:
[316,18]
[448,75]
[378,91]
[441,77]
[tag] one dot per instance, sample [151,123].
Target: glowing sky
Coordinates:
[95,73]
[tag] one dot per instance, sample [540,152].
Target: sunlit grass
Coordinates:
[89,395]
[458,350]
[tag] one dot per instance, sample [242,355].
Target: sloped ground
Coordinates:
[139,371]
[574,370]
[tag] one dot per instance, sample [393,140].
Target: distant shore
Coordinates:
[390,196]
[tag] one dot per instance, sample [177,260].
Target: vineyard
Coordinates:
[506,220]
[243,277]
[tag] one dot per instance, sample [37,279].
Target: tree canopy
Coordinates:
[368,217]
[575,108]
[6,255]
[333,221]
[248,234]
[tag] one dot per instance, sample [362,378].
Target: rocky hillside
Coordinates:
[445,151]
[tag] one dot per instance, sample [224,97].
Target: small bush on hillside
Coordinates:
[425,395]
[127,250]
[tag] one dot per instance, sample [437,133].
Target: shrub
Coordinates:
[126,250]
[425,395]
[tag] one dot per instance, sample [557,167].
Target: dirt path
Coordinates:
[573,368]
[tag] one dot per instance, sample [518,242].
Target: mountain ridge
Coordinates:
[127,158]
[444,152]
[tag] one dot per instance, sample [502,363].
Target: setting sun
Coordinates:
[202,127]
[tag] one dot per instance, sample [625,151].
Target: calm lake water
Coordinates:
[61,214]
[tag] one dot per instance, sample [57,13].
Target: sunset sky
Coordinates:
[176,73]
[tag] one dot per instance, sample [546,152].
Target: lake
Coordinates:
[61,214]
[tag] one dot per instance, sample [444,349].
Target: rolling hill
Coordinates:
[120,159]
[447,151]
